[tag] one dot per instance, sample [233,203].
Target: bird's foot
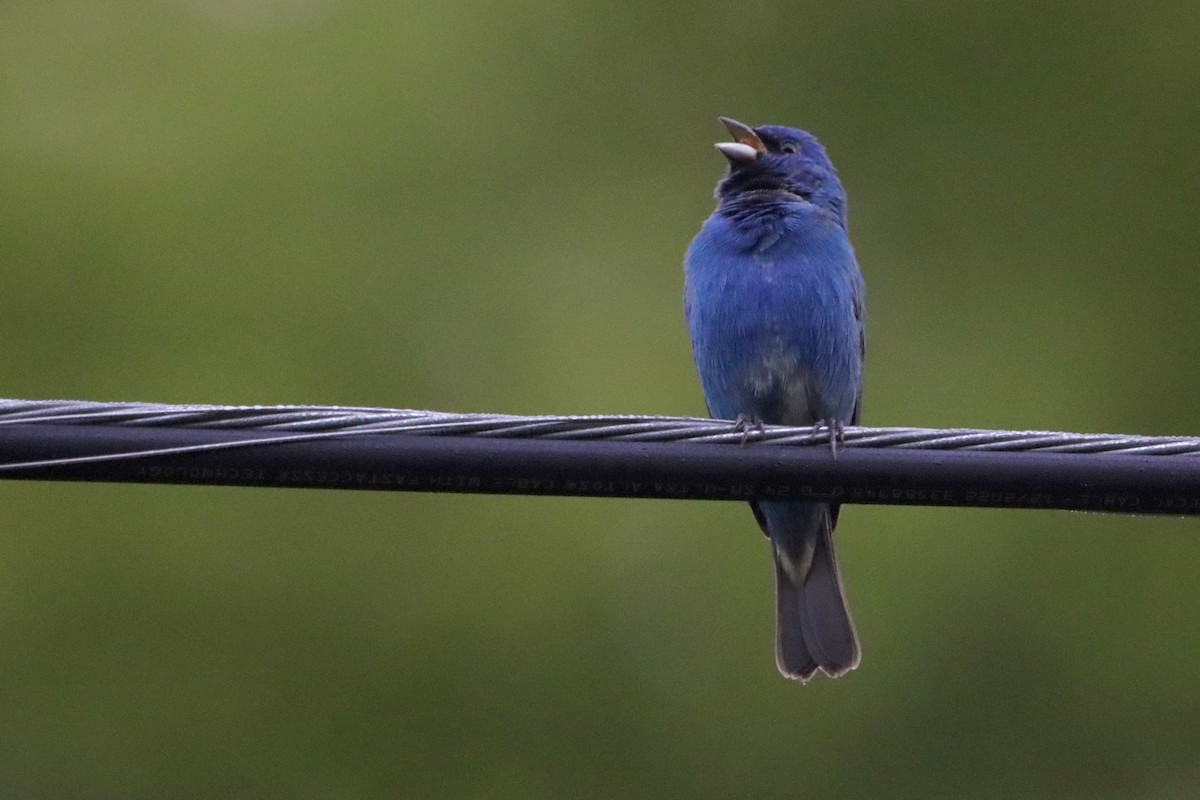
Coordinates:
[747,425]
[837,432]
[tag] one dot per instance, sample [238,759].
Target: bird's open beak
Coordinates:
[746,146]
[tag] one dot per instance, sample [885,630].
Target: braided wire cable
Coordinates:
[345,420]
[604,456]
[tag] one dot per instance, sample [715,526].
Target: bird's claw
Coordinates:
[747,425]
[837,432]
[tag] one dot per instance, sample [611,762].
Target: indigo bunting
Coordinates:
[774,305]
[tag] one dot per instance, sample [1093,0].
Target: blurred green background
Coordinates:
[483,207]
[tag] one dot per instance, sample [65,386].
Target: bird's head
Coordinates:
[775,163]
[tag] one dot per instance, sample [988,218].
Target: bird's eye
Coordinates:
[789,148]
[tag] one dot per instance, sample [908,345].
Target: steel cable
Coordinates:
[632,456]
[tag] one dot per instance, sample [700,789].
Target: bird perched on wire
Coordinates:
[774,303]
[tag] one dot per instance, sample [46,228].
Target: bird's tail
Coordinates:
[813,625]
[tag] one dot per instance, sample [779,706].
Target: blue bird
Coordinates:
[774,305]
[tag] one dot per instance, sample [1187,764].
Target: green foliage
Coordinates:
[484,207]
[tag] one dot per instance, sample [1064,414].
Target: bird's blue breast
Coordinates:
[773,305]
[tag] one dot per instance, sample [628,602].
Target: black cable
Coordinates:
[612,456]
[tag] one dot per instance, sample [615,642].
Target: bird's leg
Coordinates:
[837,432]
[746,425]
